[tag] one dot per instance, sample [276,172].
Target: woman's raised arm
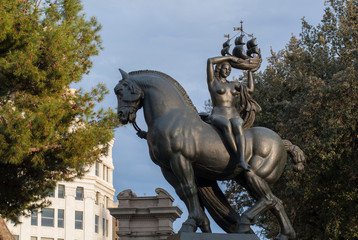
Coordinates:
[250,82]
[216,60]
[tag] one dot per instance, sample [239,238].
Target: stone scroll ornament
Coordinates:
[193,154]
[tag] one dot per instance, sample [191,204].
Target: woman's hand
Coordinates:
[251,64]
[257,61]
[254,69]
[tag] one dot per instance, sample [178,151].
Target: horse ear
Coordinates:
[124,74]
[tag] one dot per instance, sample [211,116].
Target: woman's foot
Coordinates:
[244,165]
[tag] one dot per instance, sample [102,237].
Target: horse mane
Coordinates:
[170,79]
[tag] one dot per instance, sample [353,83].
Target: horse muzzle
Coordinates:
[126,115]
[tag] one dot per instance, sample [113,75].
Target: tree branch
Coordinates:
[37,149]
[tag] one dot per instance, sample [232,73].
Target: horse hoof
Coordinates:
[244,228]
[188,226]
[286,234]
[281,236]
[205,228]
[204,225]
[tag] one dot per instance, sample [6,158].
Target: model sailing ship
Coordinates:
[252,55]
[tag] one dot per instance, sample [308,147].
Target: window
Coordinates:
[96,220]
[78,220]
[60,218]
[34,216]
[61,191]
[33,238]
[16,237]
[97,198]
[107,174]
[104,172]
[96,168]
[51,193]
[79,193]
[45,238]
[47,217]
[104,226]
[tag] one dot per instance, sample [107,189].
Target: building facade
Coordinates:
[78,210]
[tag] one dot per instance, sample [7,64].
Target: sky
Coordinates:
[177,38]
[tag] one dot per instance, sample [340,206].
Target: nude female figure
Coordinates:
[223,94]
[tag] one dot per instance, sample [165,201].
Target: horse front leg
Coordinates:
[187,190]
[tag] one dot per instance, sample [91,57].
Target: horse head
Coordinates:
[129,96]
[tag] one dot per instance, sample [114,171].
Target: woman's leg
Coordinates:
[235,141]
[225,126]
[240,142]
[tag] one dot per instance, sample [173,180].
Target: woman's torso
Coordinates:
[223,95]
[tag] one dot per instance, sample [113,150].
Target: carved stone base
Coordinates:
[213,236]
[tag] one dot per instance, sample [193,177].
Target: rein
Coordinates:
[140,133]
[136,126]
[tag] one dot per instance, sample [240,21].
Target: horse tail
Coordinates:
[297,155]
[217,205]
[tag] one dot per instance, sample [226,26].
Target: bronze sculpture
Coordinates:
[193,155]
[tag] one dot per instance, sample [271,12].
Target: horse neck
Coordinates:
[161,97]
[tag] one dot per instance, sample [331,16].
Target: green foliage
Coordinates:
[47,131]
[308,94]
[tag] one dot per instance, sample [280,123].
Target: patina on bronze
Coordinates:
[193,154]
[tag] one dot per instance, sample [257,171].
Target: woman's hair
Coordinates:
[219,66]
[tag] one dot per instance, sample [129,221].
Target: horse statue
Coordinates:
[193,155]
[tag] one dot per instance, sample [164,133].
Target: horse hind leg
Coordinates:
[184,180]
[287,231]
[260,190]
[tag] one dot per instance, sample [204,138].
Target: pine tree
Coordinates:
[47,131]
[308,94]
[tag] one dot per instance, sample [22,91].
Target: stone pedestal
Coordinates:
[145,218]
[212,236]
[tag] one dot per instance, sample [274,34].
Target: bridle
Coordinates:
[134,123]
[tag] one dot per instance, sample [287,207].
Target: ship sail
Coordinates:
[252,47]
[238,51]
[240,40]
[226,48]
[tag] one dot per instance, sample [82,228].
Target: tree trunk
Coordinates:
[5,233]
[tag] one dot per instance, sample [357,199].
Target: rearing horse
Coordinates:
[193,155]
